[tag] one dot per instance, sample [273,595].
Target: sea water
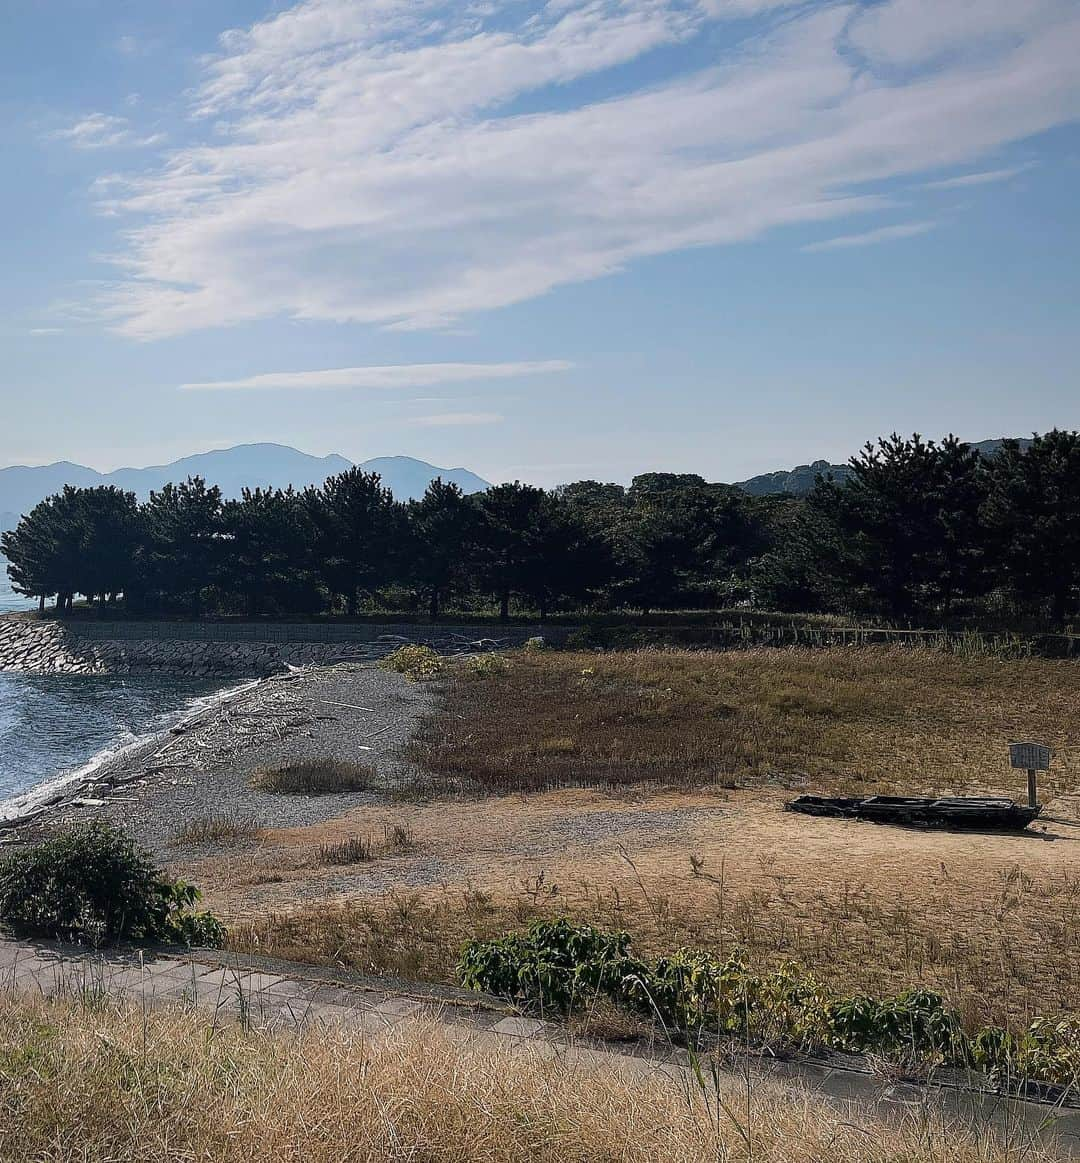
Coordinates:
[57,728]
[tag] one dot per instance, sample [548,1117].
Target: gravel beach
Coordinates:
[353,712]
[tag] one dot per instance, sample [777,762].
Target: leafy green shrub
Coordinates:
[314,777]
[555,965]
[486,666]
[561,966]
[96,883]
[414,662]
[1048,1051]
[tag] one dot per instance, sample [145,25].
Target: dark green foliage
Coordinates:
[443,530]
[907,523]
[916,530]
[560,966]
[82,541]
[95,884]
[183,545]
[267,545]
[556,965]
[358,531]
[1032,512]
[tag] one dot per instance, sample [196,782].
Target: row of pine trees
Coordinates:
[915,530]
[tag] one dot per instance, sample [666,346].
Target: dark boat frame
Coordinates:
[976,813]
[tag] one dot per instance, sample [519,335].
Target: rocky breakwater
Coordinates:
[43,648]
[47,647]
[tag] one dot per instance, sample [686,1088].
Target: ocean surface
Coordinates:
[55,727]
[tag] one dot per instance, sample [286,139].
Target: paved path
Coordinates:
[296,996]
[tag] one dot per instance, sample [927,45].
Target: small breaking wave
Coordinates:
[126,742]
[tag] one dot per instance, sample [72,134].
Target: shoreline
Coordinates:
[53,791]
[201,765]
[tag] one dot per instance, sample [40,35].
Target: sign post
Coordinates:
[1031,757]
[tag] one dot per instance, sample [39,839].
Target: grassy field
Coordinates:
[849,719]
[679,834]
[81,1082]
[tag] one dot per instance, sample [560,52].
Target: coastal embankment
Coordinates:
[209,650]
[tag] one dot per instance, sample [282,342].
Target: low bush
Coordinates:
[313,777]
[486,665]
[555,964]
[94,883]
[560,966]
[414,662]
[398,837]
[355,850]
[216,828]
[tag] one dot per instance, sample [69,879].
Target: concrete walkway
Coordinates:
[294,997]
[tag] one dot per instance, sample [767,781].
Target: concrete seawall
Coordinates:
[223,649]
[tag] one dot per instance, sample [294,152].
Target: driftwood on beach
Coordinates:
[980,813]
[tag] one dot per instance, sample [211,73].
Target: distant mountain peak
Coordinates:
[801,479]
[232,469]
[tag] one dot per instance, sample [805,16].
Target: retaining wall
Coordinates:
[212,649]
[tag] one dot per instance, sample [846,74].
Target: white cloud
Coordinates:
[46,331]
[417,375]
[457,419]
[980,178]
[911,32]
[872,237]
[104,131]
[407,162]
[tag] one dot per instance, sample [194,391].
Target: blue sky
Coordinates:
[585,238]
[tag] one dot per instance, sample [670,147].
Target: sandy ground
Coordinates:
[990,920]
[573,836]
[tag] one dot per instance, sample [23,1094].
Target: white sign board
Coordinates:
[1030,756]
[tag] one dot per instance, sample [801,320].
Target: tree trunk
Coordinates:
[504,606]
[433,606]
[41,604]
[1061,591]
[543,609]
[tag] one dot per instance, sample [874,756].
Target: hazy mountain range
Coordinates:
[232,469]
[277,466]
[801,480]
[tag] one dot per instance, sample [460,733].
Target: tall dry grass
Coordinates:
[1003,961]
[81,1082]
[854,719]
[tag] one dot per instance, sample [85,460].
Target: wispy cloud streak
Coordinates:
[980,178]
[872,237]
[416,375]
[407,162]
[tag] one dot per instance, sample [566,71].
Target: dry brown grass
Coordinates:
[314,777]
[216,828]
[991,921]
[83,1083]
[852,718]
